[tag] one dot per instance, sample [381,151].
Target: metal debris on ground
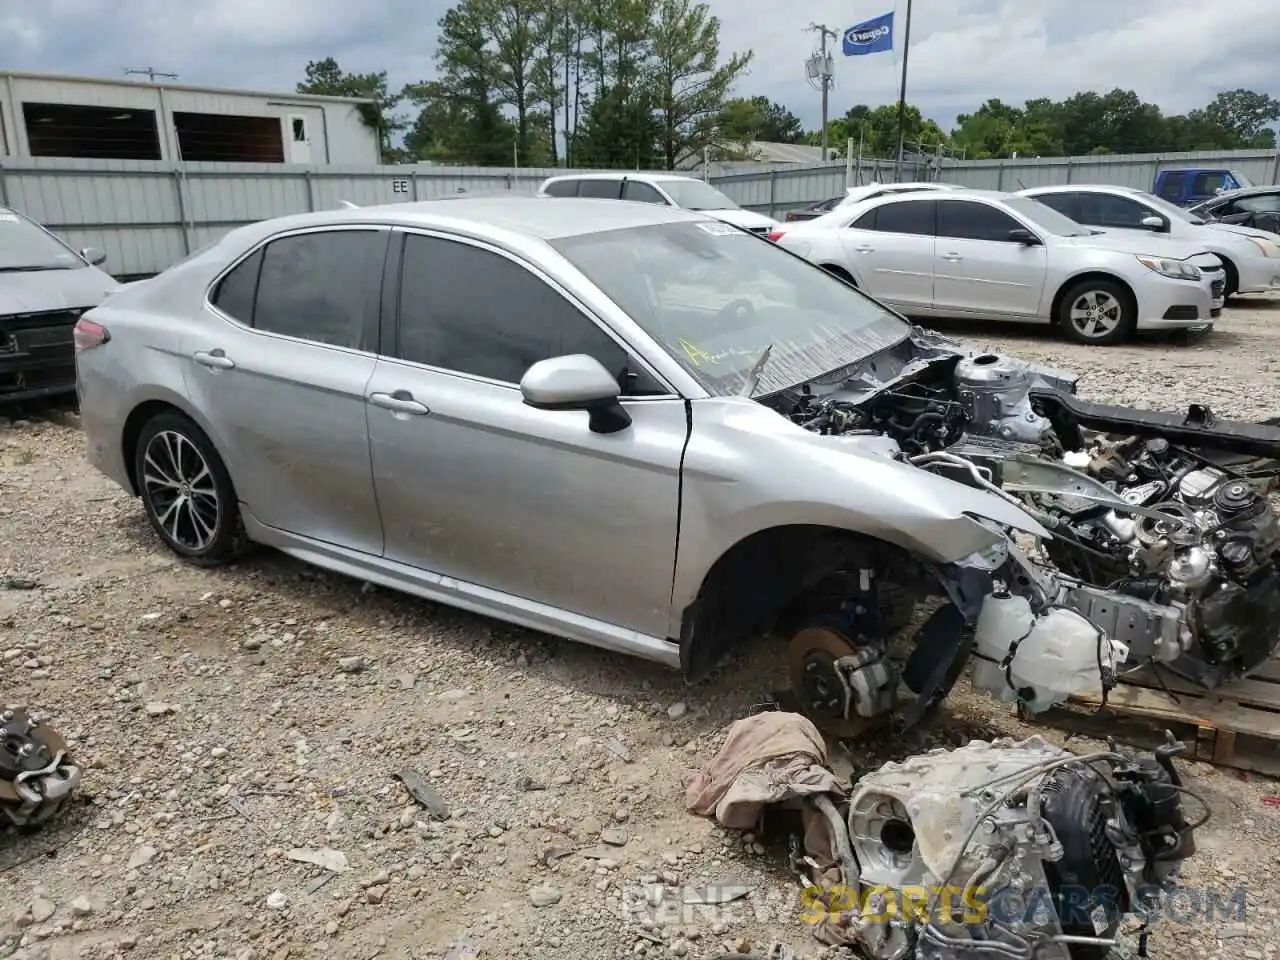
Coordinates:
[999,815]
[36,773]
[425,795]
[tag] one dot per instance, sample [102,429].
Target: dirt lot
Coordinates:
[224,725]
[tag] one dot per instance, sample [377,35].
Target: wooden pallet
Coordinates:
[1235,726]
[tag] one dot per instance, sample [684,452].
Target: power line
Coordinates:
[150,72]
[818,69]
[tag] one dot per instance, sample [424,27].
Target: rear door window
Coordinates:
[324,286]
[915,217]
[600,189]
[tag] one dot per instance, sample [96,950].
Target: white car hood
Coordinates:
[1140,243]
[741,218]
[1242,231]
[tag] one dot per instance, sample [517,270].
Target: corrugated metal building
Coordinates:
[47,115]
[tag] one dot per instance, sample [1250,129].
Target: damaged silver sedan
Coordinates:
[643,429]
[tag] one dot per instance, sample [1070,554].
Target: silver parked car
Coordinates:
[625,424]
[44,287]
[987,255]
[1250,257]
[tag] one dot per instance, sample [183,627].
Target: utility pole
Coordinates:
[902,93]
[150,72]
[819,72]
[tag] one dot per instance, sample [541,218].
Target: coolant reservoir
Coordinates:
[1057,653]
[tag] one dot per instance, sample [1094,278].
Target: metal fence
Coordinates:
[789,188]
[147,215]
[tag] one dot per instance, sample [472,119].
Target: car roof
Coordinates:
[624,175]
[1084,188]
[523,215]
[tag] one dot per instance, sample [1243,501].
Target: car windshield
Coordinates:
[696,195]
[1045,217]
[715,297]
[1169,209]
[1241,179]
[25,247]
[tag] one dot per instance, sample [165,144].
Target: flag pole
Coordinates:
[902,93]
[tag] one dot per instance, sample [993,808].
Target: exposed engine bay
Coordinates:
[1164,546]
[1012,850]
[36,773]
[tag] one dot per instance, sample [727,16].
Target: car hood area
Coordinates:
[39,291]
[1140,243]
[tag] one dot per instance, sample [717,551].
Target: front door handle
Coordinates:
[214,359]
[952,257]
[399,402]
[865,249]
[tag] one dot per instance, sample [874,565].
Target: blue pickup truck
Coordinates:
[1191,185]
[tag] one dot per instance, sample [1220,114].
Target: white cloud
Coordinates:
[963,51]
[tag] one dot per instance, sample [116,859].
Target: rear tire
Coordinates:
[1097,313]
[187,492]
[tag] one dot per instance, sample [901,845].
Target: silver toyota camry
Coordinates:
[628,425]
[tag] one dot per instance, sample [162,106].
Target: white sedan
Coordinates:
[995,256]
[1250,257]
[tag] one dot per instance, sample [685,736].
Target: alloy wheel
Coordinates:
[1096,313]
[180,488]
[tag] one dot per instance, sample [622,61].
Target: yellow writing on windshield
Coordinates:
[697,356]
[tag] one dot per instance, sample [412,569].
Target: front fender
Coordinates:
[747,470]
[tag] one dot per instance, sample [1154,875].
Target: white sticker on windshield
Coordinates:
[8,218]
[719,229]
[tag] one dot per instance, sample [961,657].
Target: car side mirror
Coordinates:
[576,382]
[93,256]
[1153,223]
[1024,236]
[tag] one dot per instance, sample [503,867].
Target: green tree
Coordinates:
[743,120]
[465,118]
[690,83]
[515,30]
[1247,114]
[326,78]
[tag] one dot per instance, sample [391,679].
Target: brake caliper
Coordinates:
[36,777]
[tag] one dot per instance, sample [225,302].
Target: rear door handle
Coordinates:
[865,249]
[952,257]
[214,359]
[399,402]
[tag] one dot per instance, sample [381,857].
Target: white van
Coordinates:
[668,189]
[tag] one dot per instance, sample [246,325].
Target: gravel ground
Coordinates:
[230,717]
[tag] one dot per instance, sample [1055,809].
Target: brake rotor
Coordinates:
[36,776]
[811,664]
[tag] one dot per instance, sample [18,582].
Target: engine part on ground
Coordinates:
[36,775]
[1011,849]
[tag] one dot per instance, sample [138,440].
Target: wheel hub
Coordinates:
[816,682]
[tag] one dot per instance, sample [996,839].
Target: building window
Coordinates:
[228,139]
[93,133]
[299,125]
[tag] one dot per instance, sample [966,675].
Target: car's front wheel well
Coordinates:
[138,418]
[756,583]
[1230,276]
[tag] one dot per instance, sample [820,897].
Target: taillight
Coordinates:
[777,235]
[88,335]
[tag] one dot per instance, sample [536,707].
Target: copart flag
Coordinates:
[870,36]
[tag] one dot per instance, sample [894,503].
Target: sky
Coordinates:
[962,51]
